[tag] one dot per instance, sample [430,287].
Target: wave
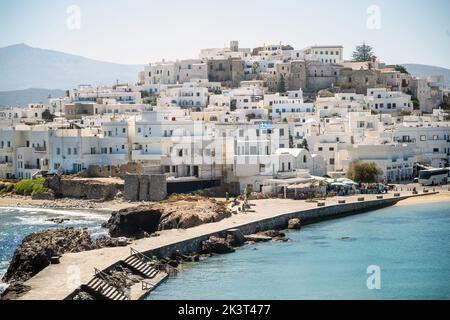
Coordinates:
[86,214]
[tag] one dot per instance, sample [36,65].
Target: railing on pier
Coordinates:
[171,271]
[140,255]
[99,273]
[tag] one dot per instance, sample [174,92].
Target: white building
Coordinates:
[289,106]
[383,101]
[325,54]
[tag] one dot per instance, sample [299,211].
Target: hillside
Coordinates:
[23,67]
[22,98]
[421,70]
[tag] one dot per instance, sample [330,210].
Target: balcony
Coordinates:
[30,167]
[40,149]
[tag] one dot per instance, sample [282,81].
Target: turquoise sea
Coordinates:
[409,244]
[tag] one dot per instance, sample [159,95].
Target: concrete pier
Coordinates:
[58,281]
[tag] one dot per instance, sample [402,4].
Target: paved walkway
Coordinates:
[57,281]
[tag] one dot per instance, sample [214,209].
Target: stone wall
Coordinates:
[80,188]
[145,187]
[96,171]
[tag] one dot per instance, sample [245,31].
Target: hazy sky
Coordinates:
[140,31]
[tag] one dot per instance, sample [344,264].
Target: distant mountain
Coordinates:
[23,67]
[22,98]
[421,70]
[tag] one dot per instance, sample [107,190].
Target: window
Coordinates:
[320,149]
[331,149]
[331,161]
[69,151]
[75,151]
[423,138]
[281,132]
[58,151]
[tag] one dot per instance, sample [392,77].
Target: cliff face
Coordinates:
[133,222]
[179,211]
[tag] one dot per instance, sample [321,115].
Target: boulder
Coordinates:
[136,222]
[109,242]
[235,237]
[273,234]
[216,245]
[294,224]
[37,250]
[257,238]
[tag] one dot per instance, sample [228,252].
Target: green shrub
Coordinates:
[30,187]
[6,187]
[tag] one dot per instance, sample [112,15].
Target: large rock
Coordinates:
[294,224]
[36,251]
[216,245]
[185,211]
[235,237]
[133,222]
[272,234]
[109,242]
[257,238]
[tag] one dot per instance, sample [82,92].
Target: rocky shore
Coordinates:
[41,249]
[38,250]
[177,212]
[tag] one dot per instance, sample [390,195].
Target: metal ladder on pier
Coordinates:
[139,263]
[99,286]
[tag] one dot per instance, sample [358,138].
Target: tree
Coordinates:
[281,85]
[363,53]
[48,116]
[416,103]
[363,172]
[400,69]
[304,144]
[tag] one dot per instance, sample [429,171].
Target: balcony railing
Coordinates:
[29,166]
[40,149]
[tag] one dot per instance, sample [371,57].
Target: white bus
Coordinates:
[431,177]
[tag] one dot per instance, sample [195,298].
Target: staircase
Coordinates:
[99,287]
[139,265]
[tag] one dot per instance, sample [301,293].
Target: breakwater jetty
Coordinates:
[59,281]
